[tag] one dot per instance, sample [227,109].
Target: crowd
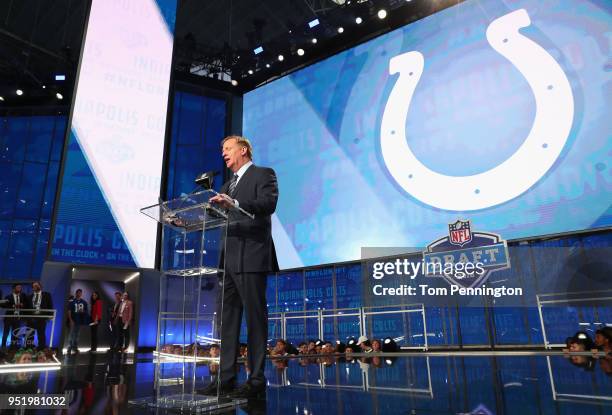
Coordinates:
[582,342]
[80,314]
[321,347]
[26,355]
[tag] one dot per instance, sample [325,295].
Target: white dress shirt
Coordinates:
[240,173]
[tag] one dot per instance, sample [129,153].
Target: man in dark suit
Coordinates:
[16,300]
[249,256]
[40,300]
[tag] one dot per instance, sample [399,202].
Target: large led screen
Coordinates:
[115,149]
[492,111]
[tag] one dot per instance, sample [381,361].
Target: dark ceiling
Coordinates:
[214,39]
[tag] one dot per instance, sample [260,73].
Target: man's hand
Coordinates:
[223,200]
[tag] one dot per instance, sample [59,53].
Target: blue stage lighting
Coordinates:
[258,50]
[313,23]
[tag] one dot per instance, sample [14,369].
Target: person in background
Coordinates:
[214,350]
[40,300]
[124,319]
[113,324]
[376,346]
[243,350]
[364,344]
[280,349]
[603,339]
[15,301]
[328,348]
[96,318]
[303,348]
[77,318]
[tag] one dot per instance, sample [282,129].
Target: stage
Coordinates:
[407,383]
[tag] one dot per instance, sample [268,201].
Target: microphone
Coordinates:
[206,179]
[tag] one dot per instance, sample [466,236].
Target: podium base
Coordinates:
[190,403]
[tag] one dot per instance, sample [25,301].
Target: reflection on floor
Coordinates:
[413,384]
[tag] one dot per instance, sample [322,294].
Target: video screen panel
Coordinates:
[113,163]
[489,111]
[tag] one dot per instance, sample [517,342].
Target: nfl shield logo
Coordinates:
[460,233]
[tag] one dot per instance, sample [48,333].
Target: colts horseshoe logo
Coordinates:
[553,121]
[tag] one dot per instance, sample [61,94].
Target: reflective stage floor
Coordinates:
[487,383]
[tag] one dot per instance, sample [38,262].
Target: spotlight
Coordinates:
[59,96]
[281,58]
[300,52]
[258,50]
[382,13]
[234,82]
[44,86]
[313,23]
[351,341]
[19,92]
[340,29]
[358,20]
[389,345]
[267,65]
[1,98]
[314,40]
[250,72]
[60,77]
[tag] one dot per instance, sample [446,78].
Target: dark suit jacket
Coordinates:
[11,302]
[46,303]
[249,244]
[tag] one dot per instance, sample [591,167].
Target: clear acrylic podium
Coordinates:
[193,231]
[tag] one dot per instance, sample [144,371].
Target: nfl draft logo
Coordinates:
[460,233]
[471,256]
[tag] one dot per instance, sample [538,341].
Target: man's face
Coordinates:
[36,287]
[118,297]
[125,296]
[576,347]
[599,339]
[17,289]
[78,294]
[233,154]
[280,346]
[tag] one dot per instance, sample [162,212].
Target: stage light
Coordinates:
[389,345]
[340,29]
[60,77]
[44,86]
[300,52]
[59,96]
[131,277]
[314,40]
[267,65]
[358,20]
[1,98]
[313,23]
[234,82]
[250,72]
[19,92]
[258,50]
[281,58]
[351,341]
[382,13]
